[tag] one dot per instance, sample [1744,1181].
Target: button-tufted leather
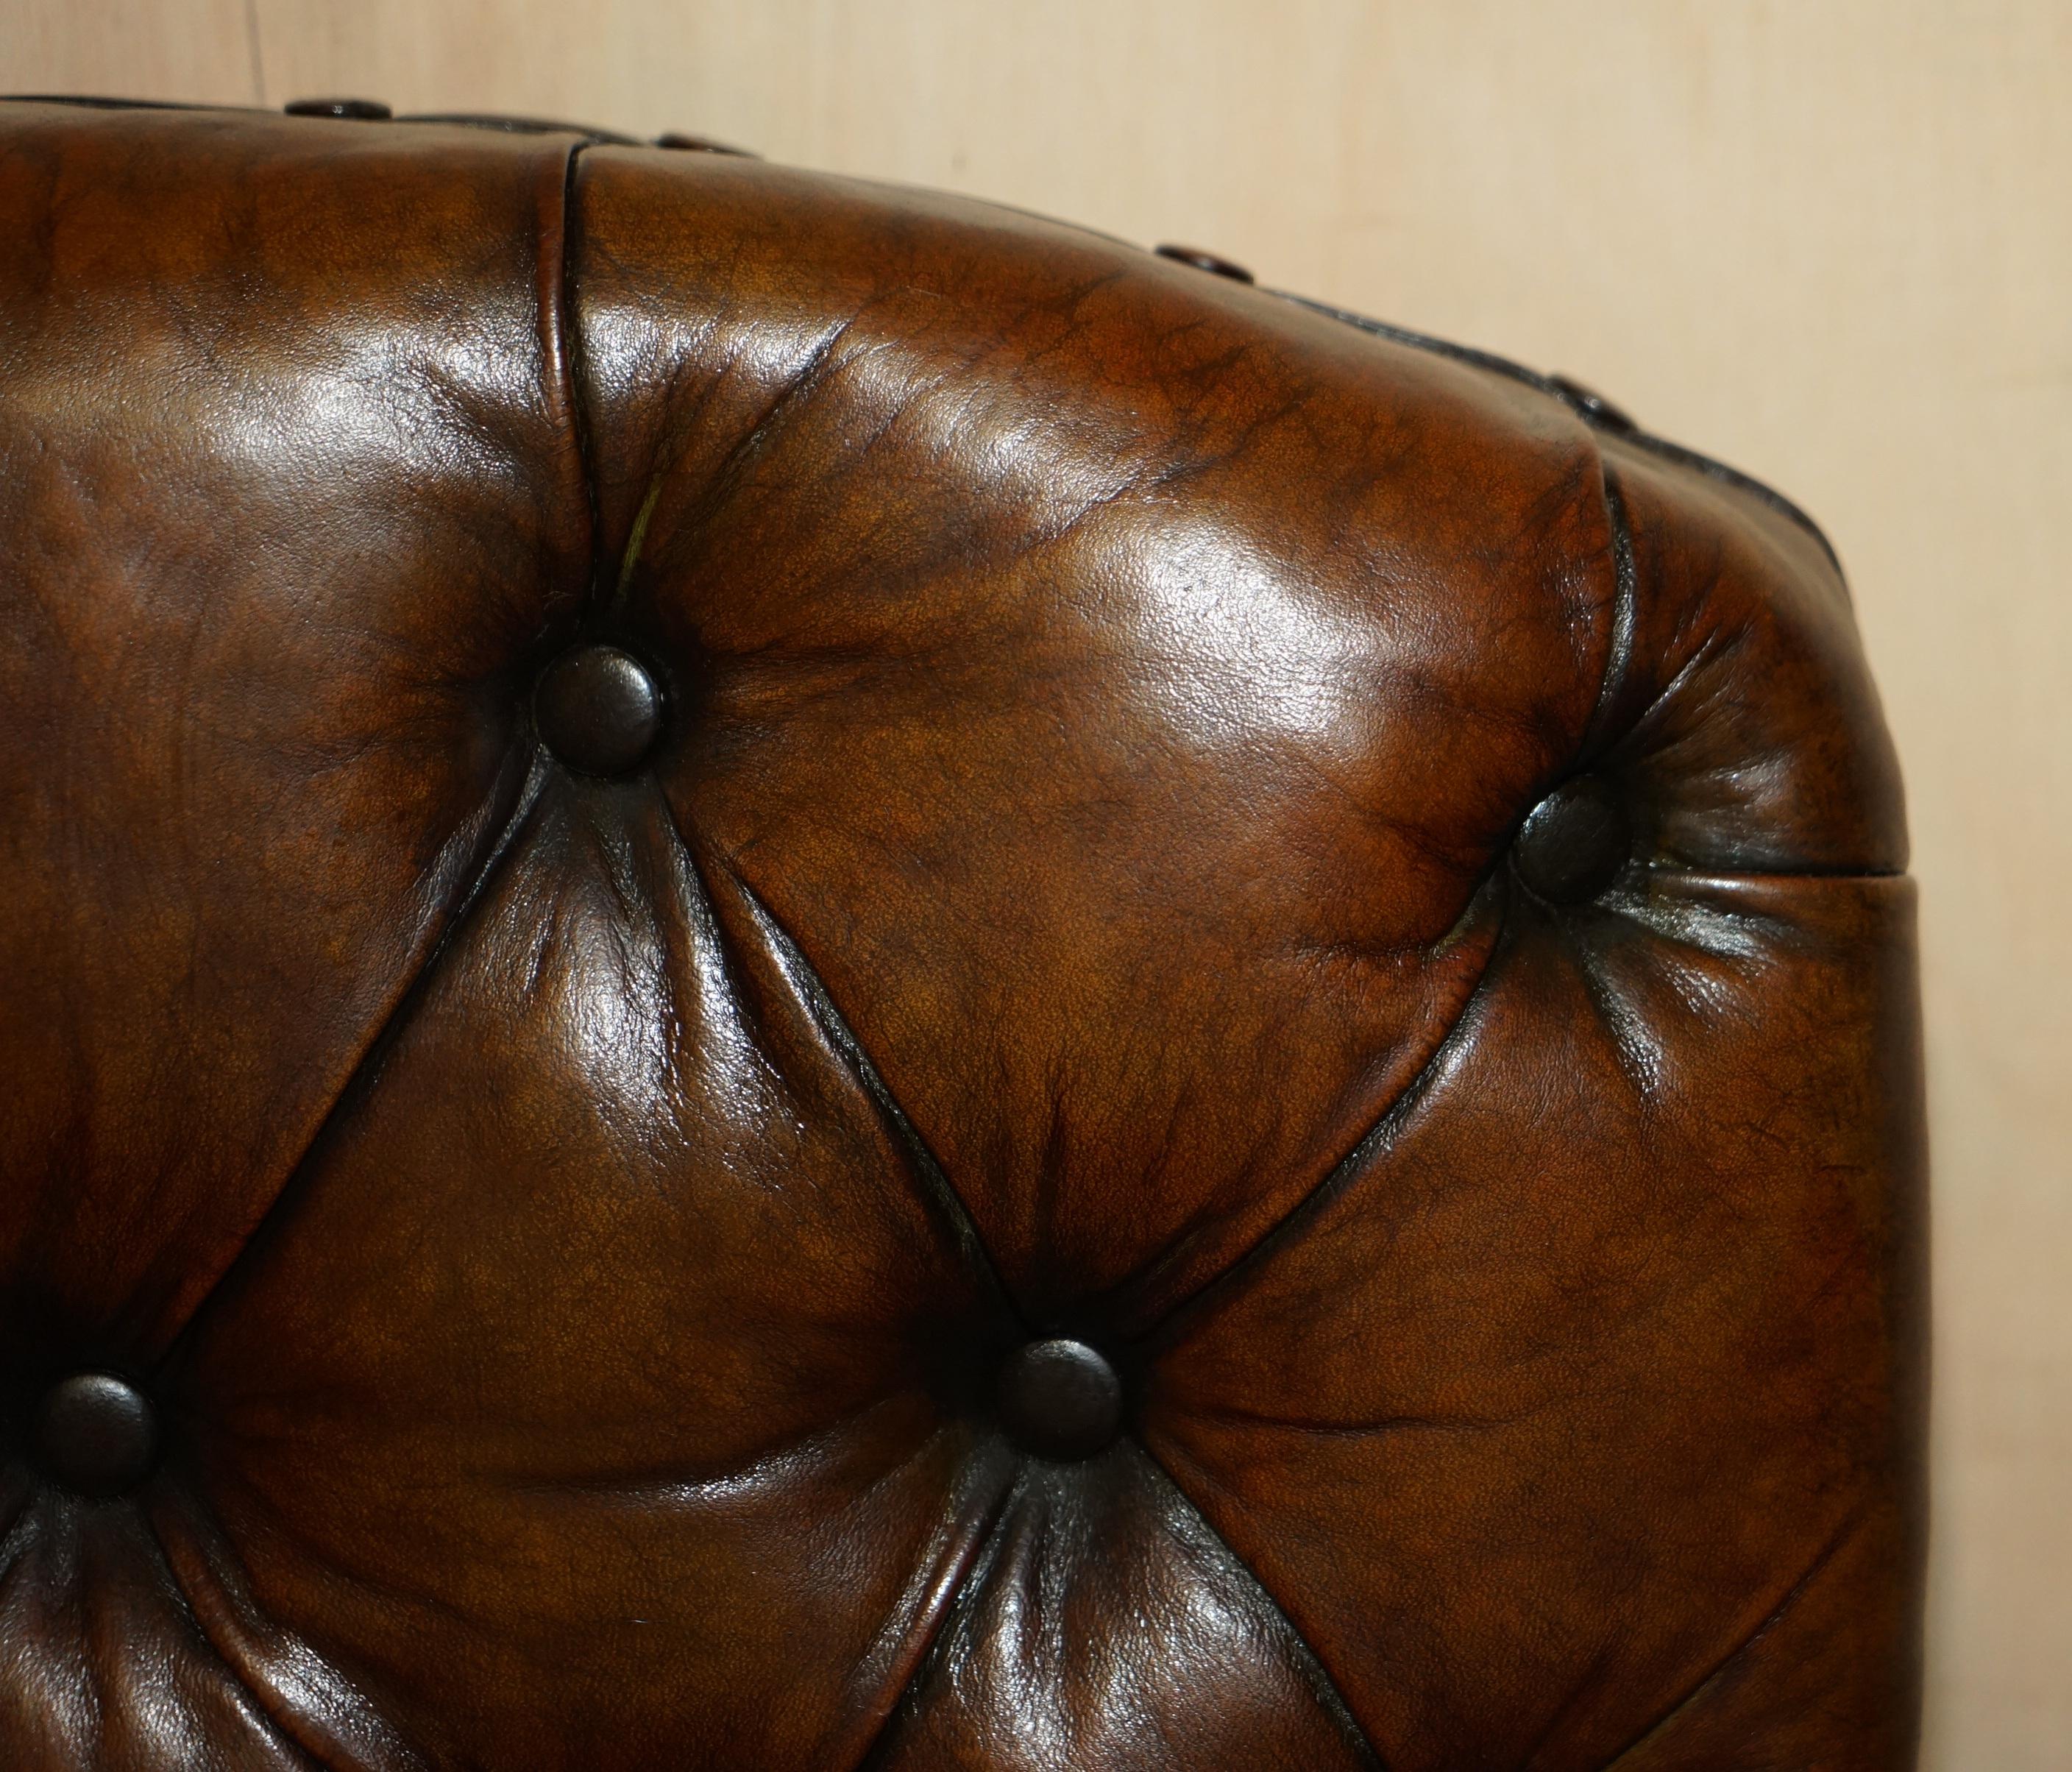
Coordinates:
[799,975]
[1060,1399]
[599,709]
[94,1433]
[1206,261]
[1573,844]
[356,110]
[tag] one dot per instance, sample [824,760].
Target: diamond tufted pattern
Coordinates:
[802,977]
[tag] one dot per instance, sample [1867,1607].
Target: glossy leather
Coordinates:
[659,809]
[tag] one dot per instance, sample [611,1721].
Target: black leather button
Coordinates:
[1205,261]
[1592,405]
[96,1434]
[703,144]
[367,110]
[1573,843]
[1060,1400]
[598,709]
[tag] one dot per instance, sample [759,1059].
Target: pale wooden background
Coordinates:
[1829,240]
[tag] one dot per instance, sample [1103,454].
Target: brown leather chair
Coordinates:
[798,976]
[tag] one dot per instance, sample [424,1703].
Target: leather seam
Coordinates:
[571,367]
[1330,1697]
[1852,1523]
[985,1554]
[1679,454]
[366,1069]
[938,1190]
[1625,617]
[263,1703]
[558,341]
[561,345]
[1160,1335]
[1682,455]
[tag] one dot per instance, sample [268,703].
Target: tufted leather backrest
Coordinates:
[799,975]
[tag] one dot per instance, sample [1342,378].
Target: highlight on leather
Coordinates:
[799,975]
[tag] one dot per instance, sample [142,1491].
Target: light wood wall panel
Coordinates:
[204,50]
[1830,240]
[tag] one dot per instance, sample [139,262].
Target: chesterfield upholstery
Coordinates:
[798,975]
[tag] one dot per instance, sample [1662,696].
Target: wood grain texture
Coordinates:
[1828,241]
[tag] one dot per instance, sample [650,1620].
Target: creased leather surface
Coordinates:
[568,1224]
[290,491]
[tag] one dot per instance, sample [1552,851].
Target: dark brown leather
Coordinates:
[658,809]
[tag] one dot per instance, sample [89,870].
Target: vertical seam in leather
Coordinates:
[1626,616]
[556,338]
[1679,455]
[564,344]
